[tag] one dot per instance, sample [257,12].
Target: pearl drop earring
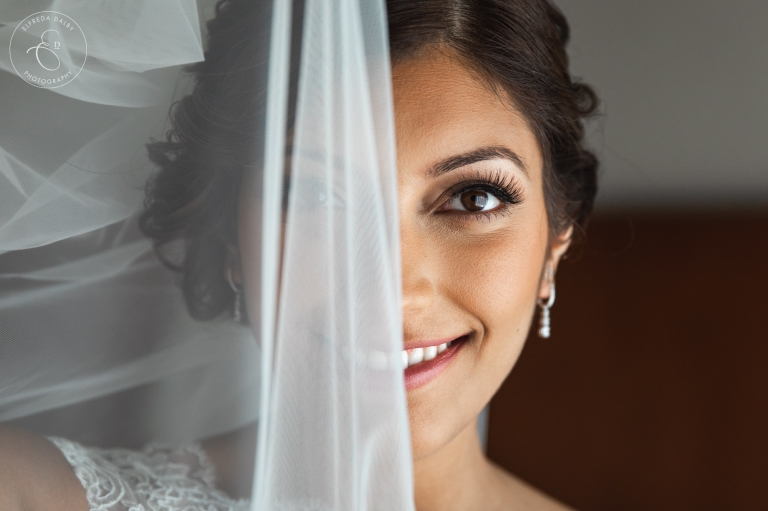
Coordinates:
[544,320]
[236,313]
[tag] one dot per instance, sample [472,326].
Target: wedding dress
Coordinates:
[156,478]
[99,351]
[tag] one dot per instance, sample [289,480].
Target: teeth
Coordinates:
[418,355]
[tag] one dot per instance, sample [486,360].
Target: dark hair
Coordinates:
[215,131]
[516,46]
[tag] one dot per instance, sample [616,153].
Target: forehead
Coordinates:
[443,108]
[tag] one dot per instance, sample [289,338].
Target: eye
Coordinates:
[312,193]
[473,201]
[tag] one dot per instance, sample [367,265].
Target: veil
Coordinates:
[199,232]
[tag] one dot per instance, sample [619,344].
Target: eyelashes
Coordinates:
[498,188]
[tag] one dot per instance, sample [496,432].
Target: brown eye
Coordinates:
[474,200]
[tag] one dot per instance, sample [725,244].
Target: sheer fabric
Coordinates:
[96,339]
[86,309]
[156,477]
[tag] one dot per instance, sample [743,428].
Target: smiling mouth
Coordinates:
[423,365]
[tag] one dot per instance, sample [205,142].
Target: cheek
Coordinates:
[490,279]
[249,222]
[495,279]
[250,267]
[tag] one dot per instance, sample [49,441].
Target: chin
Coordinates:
[442,408]
[430,433]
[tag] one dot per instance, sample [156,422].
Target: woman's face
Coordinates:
[474,238]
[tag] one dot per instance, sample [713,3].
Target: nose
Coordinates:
[418,287]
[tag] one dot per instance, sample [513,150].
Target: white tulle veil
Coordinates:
[97,343]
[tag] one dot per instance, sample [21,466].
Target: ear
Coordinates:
[559,246]
[233,264]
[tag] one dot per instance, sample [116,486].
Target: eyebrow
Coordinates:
[474,156]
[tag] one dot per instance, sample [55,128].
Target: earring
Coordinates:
[236,313]
[544,328]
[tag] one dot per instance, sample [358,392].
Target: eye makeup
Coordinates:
[499,185]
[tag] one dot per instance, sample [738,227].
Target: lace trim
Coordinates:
[157,478]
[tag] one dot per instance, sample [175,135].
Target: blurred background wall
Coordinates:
[652,393]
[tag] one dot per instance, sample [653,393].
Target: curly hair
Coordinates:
[517,46]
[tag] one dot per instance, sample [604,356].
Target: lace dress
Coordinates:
[158,478]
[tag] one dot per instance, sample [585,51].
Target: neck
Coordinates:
[456,477]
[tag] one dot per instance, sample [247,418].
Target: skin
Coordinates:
[463,274]
[28,459]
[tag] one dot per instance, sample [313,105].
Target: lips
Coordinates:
[425,363]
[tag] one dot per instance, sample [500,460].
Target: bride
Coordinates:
[493,184]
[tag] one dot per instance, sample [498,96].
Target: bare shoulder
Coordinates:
[517,494]
[35,475]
